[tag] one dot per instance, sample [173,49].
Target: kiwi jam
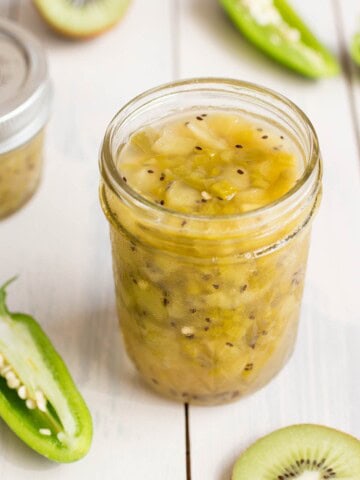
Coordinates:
[208,282]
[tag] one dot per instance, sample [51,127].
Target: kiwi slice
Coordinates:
[303,452]
[81,18]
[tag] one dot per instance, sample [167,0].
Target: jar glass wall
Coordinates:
[209,306]
[20,172]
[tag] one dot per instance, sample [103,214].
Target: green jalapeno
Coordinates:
[275,28]
[355,48]
[38,398]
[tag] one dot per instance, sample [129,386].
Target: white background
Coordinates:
[59,246]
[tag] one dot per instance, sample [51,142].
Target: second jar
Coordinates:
[209,270]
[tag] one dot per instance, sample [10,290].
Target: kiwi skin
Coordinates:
[67,31]
[284,453]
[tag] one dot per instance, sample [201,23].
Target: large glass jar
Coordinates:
[209,306]
[24,110]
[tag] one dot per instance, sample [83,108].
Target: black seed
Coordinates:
[248,367]
[186,124]
[203,200]
[252,316]
[238,145]
[190,336]
[199,118]
[216,286]
[150,171]
[264,137]
[192,310]
[204,114]
[207,319]
[229,344]
[206,329]
[219,198]
[125,179]
[162,177]
[282,137]
[240,172]
[166,301]
[173,324]
[198,148]
[162,202]
[135,281]
[183,223]
[243,288]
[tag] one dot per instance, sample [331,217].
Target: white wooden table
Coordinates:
[59,245]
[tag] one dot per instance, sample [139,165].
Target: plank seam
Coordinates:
[346,63]
[175,39]
[187,441]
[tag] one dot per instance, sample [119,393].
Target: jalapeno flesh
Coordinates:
[275,28]
[38,398]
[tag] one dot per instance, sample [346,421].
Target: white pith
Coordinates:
[23,367]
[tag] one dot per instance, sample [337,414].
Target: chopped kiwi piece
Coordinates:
[81,18]
[303,452]
[212,164]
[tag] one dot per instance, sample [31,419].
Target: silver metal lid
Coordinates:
[25,89]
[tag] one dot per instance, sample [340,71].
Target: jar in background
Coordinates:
[25,95]
[209,306]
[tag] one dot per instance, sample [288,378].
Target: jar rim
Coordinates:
[112,176]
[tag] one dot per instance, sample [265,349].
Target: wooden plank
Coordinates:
[319,383]
[59,246]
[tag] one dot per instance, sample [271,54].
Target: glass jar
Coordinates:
[25,94]
[209,306]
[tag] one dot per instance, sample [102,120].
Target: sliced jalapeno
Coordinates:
[38,398]
[275,28]
[355,48]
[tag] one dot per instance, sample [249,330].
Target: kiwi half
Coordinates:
[302,452]
[81,18]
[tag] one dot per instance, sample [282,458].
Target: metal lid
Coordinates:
[25,89]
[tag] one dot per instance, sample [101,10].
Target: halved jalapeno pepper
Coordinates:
[355,48]
[275,28]
[38,398]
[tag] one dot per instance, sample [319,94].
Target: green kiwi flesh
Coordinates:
[81,18]
[302,452]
